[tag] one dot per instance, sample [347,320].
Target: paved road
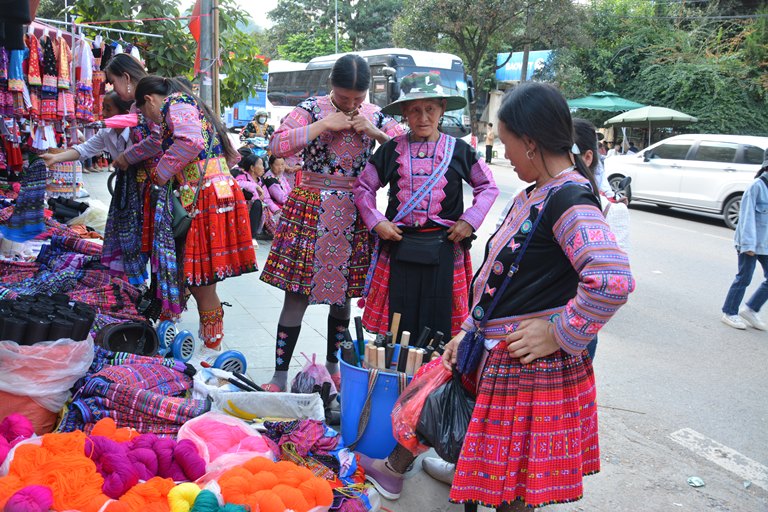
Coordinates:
[680,393]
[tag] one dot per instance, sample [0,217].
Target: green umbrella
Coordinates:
[647,116]
[604,100]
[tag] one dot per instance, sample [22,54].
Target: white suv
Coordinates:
[703,172]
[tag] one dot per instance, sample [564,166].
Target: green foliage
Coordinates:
[477,30]
[302,47]
[365,25]
[674,56]
[174,53]
[51,9]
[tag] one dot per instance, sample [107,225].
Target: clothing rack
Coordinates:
[98,28]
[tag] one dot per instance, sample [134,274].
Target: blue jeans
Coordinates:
[743,278]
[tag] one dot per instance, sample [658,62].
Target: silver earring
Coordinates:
[530,153]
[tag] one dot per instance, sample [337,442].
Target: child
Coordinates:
[111,140]
[277,189]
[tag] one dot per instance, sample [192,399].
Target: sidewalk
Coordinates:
[250,326]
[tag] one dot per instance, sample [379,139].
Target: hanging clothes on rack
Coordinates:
[50,81]
[65,107]
[83,78]
[33,71]
[6,98]
[99,78]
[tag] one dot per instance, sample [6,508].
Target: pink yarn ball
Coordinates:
[33,498]
[15,428]
[189,461]
[144,461]
[5,447]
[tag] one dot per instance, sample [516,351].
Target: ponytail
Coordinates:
[154,84]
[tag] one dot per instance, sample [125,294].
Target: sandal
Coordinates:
[272,388]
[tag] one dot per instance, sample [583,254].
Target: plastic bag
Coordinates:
[248,405]
[224,442]
[445,417]
[617,217]
[44,371]
[312,375]
[94,217]
[407,409]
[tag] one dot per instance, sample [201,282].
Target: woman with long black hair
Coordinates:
[195,168]
[321,251]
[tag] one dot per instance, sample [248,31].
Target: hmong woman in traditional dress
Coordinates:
[195,168]
[533,433]
[321,250]
[423,268]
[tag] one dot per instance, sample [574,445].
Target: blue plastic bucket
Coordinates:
[377,440]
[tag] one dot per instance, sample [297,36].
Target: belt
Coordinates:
[313,180]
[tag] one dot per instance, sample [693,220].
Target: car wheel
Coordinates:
[731,211]
[614,181]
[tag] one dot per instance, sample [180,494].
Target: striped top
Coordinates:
[572,272]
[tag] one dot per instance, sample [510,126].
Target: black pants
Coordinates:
[256,214]
[488,154]
[423,294]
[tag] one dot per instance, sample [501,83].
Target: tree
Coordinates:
[174,53]
[304,46]
[364,25]
[689,59]
[51,9]
[477,30]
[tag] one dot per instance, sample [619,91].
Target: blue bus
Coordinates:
[241,113]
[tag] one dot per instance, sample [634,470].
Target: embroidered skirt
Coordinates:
[533,433]
[219,243]
[376,317]
[321,247]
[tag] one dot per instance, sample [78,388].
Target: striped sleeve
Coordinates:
[605,280]
[293,134]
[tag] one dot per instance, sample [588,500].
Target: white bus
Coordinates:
[393,72]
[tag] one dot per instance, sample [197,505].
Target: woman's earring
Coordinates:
[129,88]
[530,153]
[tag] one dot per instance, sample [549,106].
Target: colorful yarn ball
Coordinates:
[5,447]
[182,497]
[16,427]
[208,502]
[34,498]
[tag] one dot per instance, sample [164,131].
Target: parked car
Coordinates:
[701,172]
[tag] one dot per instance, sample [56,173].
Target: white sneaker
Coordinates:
[734,321]
[751,318]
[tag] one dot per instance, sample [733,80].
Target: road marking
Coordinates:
[723,456]
[688,230]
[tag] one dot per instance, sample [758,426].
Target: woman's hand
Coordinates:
[361,124]
[533,339]
[336,122]
[451,350]
[388,231]
[459,231]
[120,162]
[50,159]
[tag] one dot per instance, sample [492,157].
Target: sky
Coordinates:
[258,9]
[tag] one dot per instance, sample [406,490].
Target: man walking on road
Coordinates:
[489,139]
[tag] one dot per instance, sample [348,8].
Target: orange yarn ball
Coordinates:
[9,484]
[292,498]
[264,480]
[320,489]
[268,501]
[150,496]
[107,427]
[257,464]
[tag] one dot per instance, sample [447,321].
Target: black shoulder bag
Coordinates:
[470,350]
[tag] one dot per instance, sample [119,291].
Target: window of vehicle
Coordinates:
[753,155]
[673,150]
[716,152]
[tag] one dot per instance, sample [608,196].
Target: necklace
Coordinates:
[351,113]
[421,153]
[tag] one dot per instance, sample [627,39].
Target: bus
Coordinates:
[393,72]
[241,113]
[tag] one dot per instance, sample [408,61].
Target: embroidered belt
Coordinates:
[498,328]
[215,174]
[317,181]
